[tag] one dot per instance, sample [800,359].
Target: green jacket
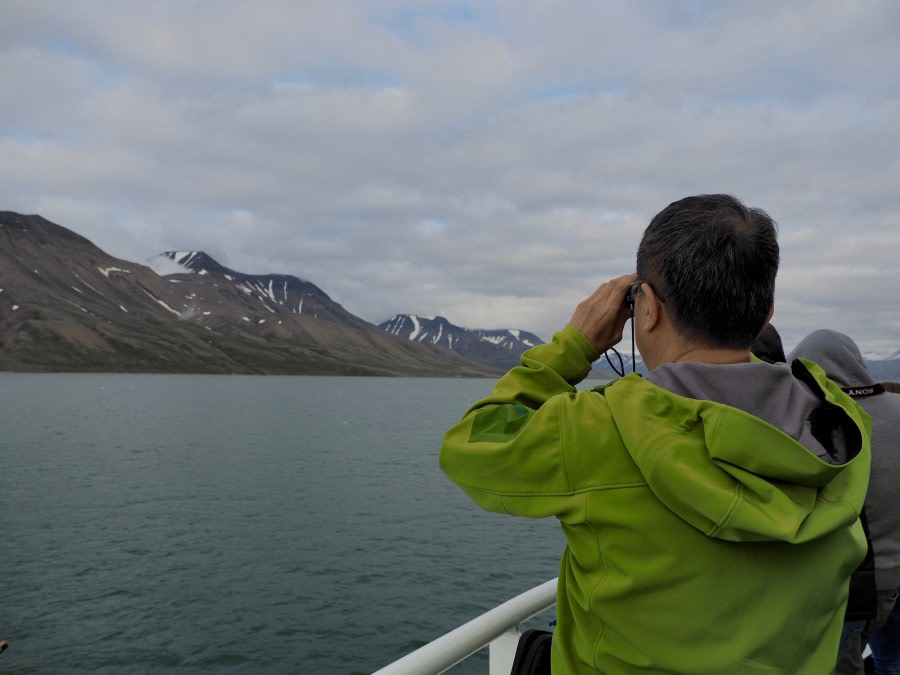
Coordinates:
[700,538]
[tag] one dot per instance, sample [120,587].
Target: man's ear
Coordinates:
[652,310]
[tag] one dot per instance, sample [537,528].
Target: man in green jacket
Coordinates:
[710,509]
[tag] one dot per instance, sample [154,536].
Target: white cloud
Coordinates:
[491,162]
[163,265]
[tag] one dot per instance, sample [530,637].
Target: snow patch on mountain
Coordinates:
[106,270]
[162,303]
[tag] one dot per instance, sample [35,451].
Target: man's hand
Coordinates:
[602,316]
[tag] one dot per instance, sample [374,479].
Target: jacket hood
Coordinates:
[735,476]
[768,346]
[838,356]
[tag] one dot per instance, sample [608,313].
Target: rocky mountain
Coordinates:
[65,305]
[499,349]
[223,299]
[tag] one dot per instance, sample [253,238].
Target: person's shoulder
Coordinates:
[598,396]
[884,408]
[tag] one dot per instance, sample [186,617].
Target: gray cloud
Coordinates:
[491,162]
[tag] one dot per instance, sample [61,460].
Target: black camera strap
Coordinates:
[864,392]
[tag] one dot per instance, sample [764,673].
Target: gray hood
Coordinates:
[768,391]
[841,360]
[838,356]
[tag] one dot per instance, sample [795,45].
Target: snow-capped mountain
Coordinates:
[499,348]
[66,305]
[262,297]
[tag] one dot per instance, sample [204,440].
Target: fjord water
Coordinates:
[164,523]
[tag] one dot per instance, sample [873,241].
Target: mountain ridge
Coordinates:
[66,305]
[499,348]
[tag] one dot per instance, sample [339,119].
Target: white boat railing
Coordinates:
[498,628]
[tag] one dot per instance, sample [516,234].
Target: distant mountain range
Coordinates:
[498,349]
[65,305]
[885,369]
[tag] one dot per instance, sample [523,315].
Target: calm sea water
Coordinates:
[242,524]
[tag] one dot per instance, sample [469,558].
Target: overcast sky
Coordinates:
[488,161]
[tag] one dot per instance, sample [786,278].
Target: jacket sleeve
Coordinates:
[507,452]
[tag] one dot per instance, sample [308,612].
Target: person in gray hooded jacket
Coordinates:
[841,360]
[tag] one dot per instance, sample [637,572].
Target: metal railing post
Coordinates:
[503,651]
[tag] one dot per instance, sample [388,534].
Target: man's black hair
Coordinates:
[715,261]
